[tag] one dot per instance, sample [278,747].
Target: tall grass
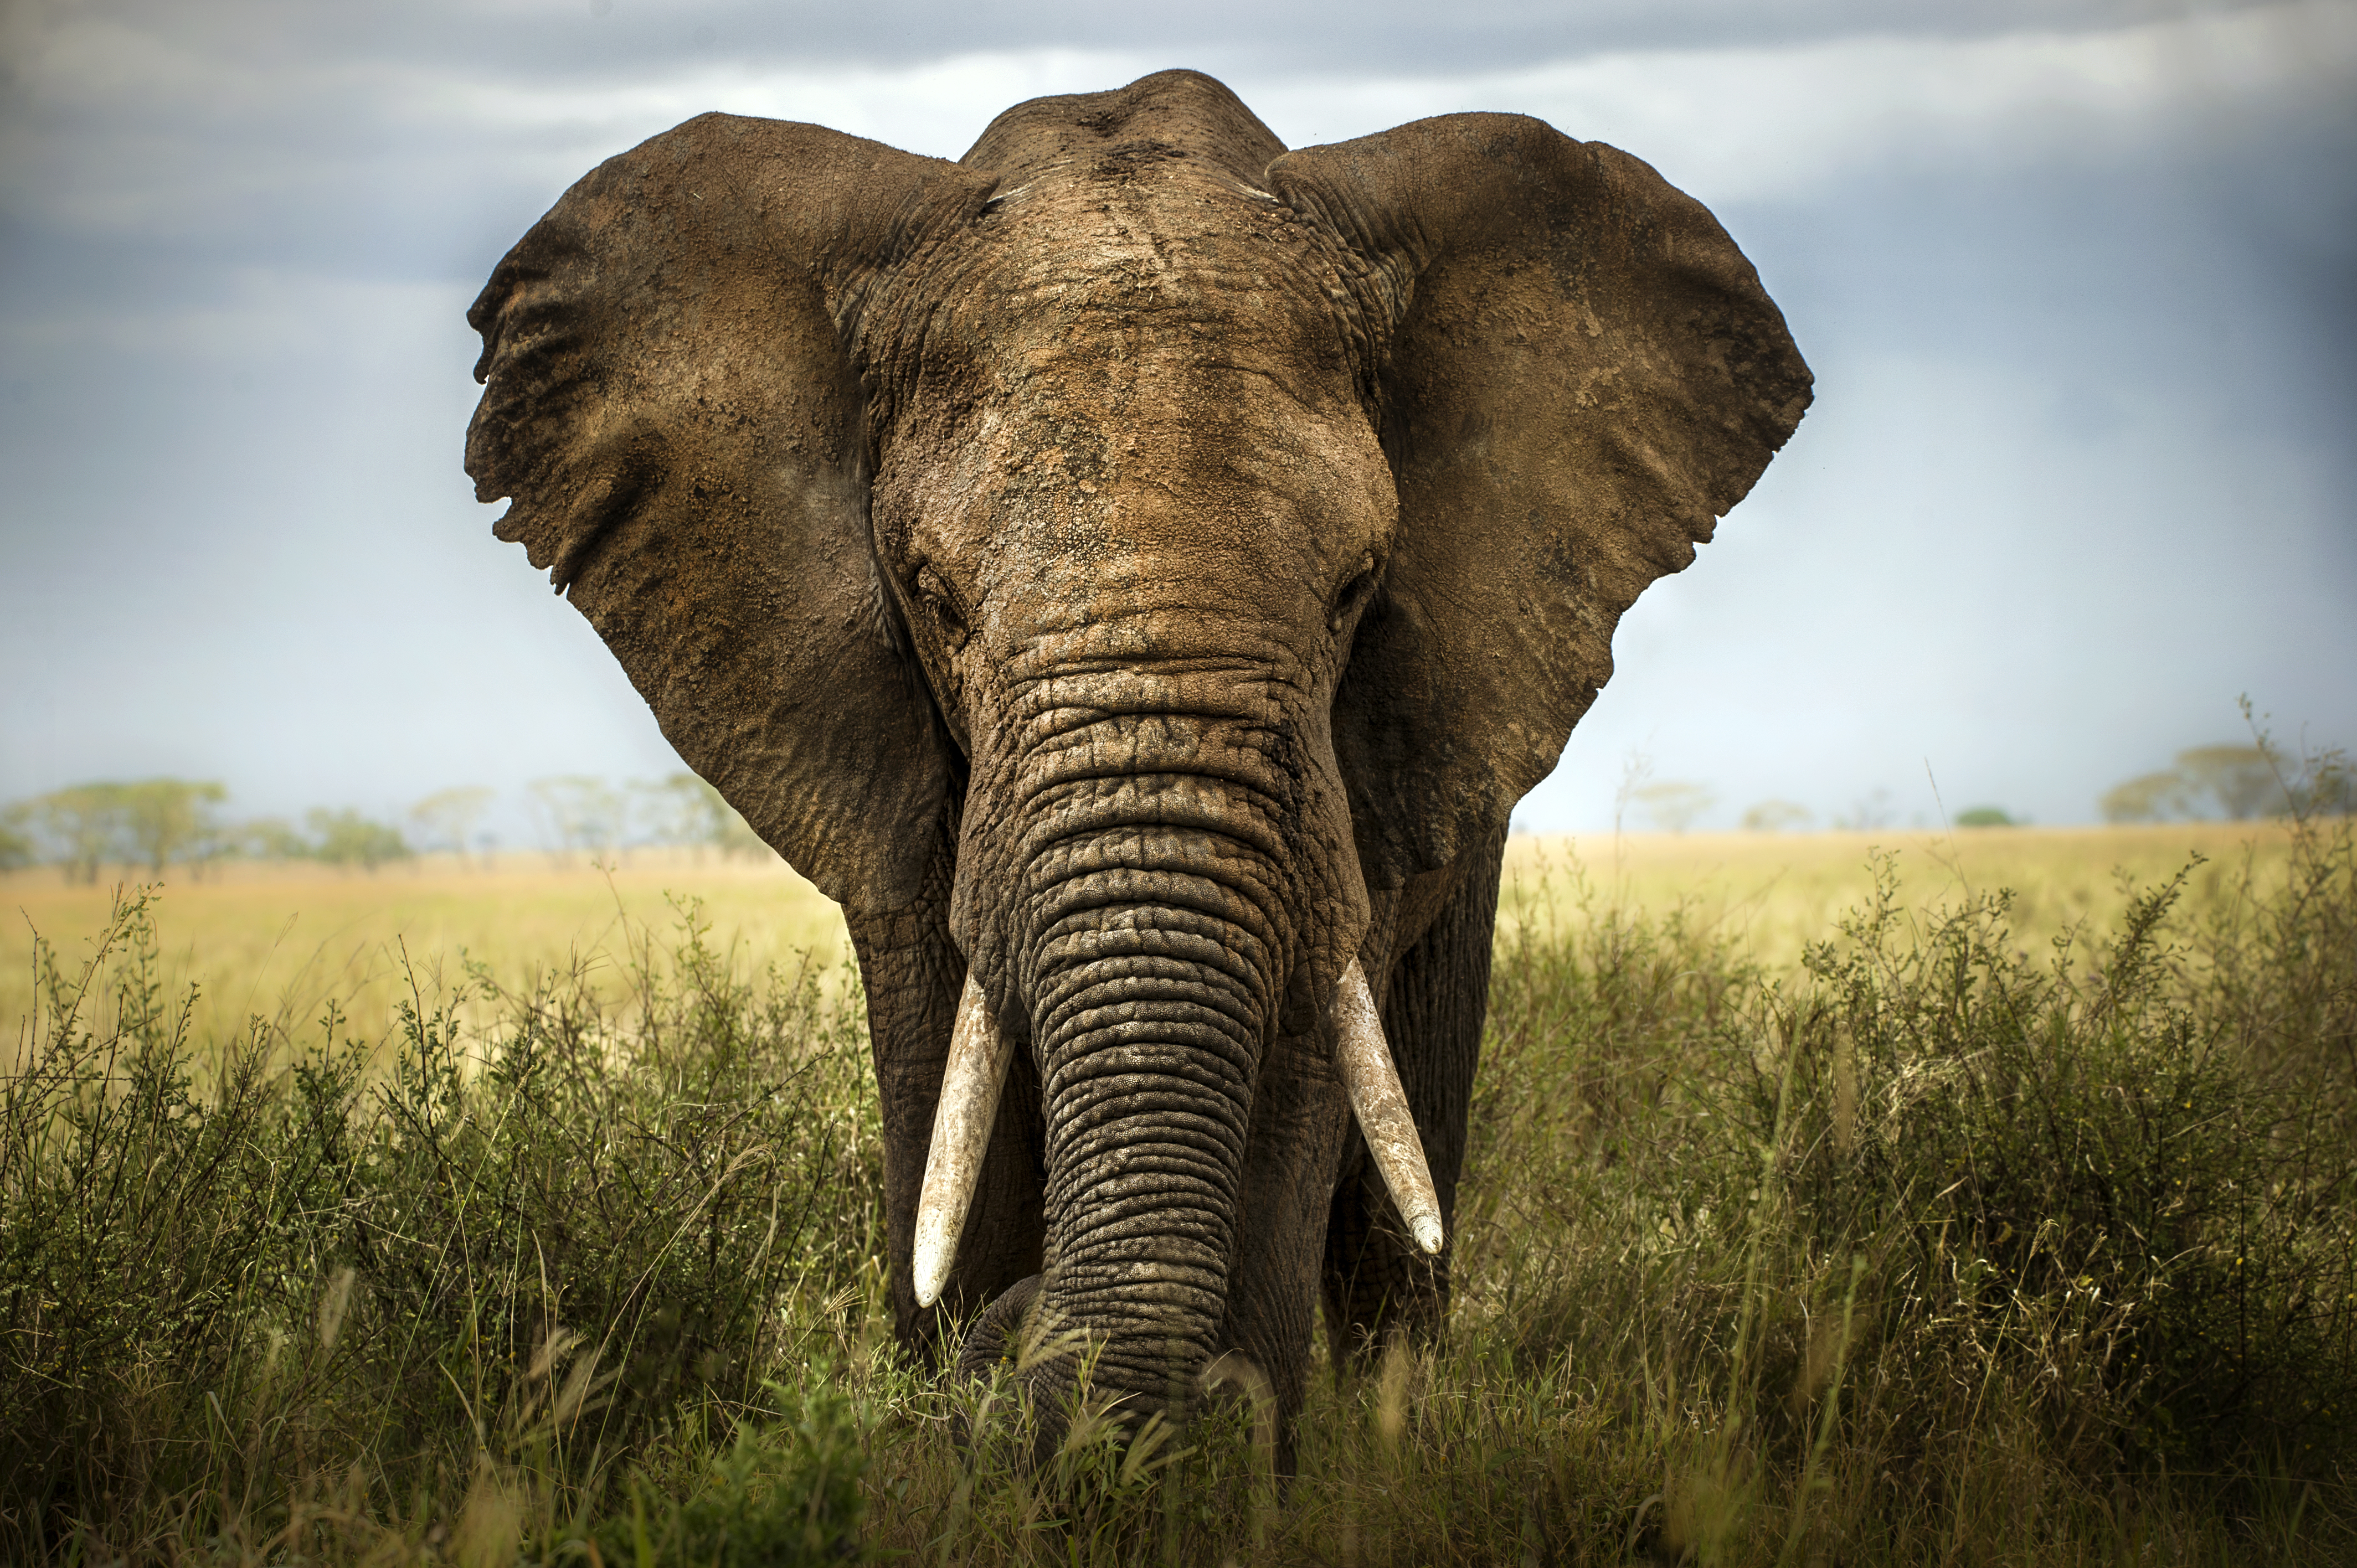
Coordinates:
[520,1258]
[1937,1250]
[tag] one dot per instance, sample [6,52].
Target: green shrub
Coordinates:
[784,1493]
[1831,1251]
[2071,1177]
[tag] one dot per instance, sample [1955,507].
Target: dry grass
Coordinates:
[284,938]
[1771,894]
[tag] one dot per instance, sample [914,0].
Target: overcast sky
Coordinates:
[2077,279]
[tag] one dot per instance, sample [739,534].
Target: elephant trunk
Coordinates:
[1152,945]
[1148,1062]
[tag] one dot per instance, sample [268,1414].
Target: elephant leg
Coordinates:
[1434,1001]
[913,975]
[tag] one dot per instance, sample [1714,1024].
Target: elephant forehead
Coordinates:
[1110,394]
[1177,263]
[1074,274]
[1144,336]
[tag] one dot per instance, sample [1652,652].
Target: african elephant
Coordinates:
[1135,569]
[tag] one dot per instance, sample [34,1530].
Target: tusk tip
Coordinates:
[1428,1233]
[930,1273]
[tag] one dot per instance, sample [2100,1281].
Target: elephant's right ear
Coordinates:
[669,403]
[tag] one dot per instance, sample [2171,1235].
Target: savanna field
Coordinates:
[1975,1198]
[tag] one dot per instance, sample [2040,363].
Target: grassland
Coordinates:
[284,938]
[1822,1208]
[1769,894]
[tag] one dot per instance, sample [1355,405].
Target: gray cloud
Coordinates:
[626,41]
[2074,277]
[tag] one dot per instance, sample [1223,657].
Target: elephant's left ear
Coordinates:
[1583,375]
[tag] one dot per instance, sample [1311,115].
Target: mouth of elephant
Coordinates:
[1016,1339]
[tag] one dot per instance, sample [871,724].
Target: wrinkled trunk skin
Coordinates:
[1149,1017]
[1147,929]
[1151,972]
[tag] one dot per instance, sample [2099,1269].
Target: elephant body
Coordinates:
[1135,569]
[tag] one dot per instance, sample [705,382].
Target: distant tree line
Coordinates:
[579,812]
[159,822]
[151,823]
[2236,783]
[1673,805]
[2233,783]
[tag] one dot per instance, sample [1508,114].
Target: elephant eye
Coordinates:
[1354,594]
[942,607]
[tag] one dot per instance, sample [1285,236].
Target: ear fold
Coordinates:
[1584,373]
[668,401]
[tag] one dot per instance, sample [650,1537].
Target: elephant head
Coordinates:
[1113,567]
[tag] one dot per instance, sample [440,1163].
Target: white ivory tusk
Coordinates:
[961,1123]
[1365,1059]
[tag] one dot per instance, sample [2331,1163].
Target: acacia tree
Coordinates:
[80,827]
[2243,780]
[446,819]
[2236,782]
[16,848]
[1674,804]
[149,821]
[272,838]
[579,811]
[669,810]
[2148,797]
[1868,813]
[172,818]
[1777,817]
[348,838]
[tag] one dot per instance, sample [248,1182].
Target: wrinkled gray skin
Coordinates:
[1145,566]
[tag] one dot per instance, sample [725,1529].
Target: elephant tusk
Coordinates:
[961,1123]
[1365,1058]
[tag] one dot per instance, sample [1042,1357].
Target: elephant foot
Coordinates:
[1234,1381]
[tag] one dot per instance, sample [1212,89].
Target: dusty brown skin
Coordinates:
[1145,565]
